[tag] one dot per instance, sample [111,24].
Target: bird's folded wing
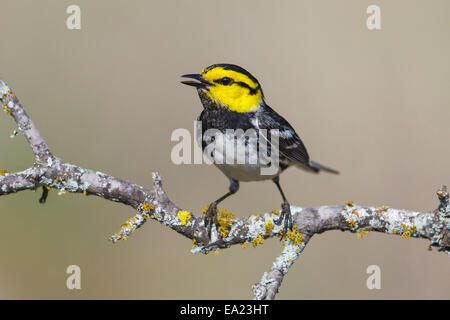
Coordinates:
[289,143]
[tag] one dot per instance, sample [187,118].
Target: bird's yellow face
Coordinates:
[229,86]
[232,89]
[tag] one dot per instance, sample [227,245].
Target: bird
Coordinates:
[233,100]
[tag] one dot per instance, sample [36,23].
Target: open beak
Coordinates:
[201,83]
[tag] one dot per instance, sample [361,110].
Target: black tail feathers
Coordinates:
[316,167]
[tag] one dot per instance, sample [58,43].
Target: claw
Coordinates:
[210,218]
[286,216]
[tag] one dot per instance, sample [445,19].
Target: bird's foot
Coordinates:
[210,218]
[286,217]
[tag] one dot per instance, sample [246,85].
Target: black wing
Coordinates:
[290,144]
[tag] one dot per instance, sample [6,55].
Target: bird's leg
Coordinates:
[286,215]
[211,214]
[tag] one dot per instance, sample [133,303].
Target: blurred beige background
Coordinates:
[373,104]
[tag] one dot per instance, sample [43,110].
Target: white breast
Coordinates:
[238,158]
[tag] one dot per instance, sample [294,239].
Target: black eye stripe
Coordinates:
[243,84]
[228,81]
[224,81]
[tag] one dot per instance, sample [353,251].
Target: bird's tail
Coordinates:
[318,167]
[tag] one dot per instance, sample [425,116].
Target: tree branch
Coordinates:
[50,172]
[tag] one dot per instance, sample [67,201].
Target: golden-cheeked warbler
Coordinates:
[233,101]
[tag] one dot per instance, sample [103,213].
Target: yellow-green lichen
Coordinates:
[294,237]
[147,207]
[126,224]
[256,241]
[184,217]
[276,212]
[407,231]
[6,109]
[3,172]
[268,225]
[225,220]
[351,223]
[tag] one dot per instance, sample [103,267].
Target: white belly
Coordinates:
[241,160]
[245,173]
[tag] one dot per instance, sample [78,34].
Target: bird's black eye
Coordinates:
[226,81]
